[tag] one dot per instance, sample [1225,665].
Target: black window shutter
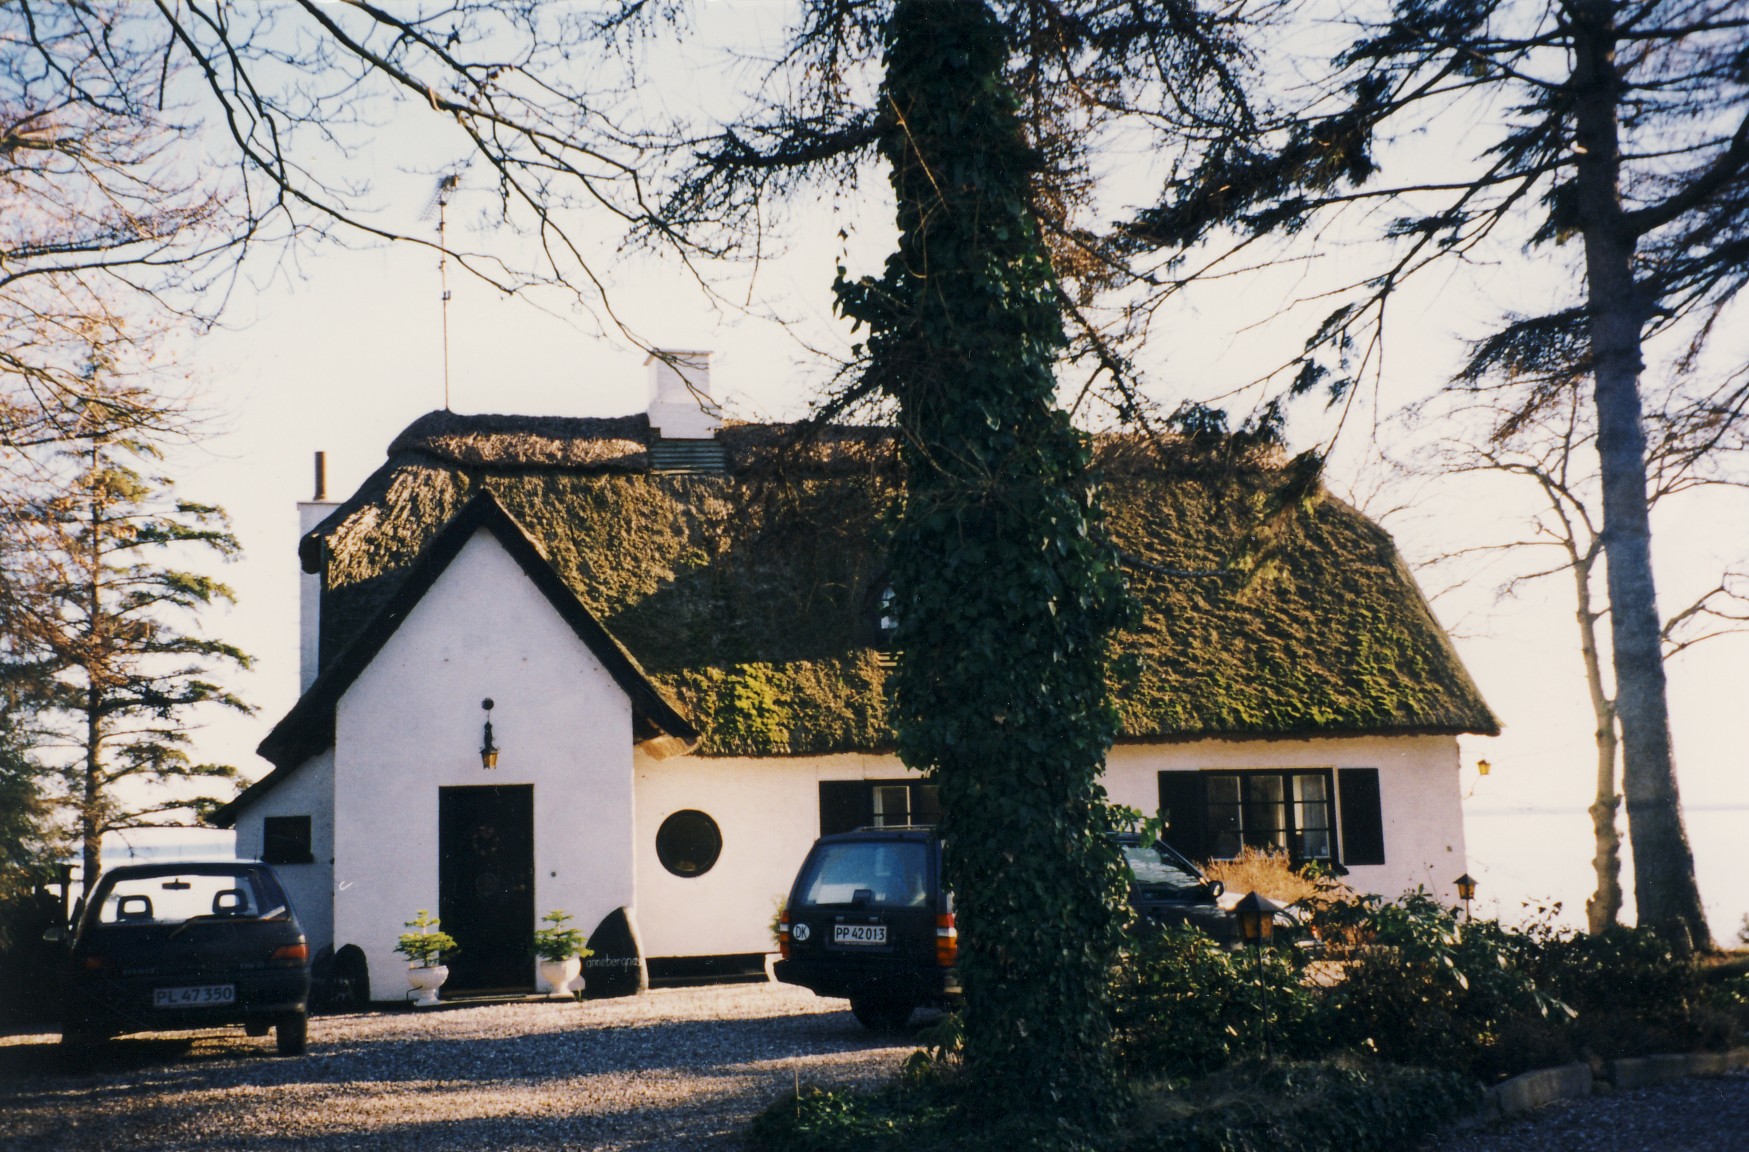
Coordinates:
[1184,803]
[845,805]
[925,804]
[1363,821]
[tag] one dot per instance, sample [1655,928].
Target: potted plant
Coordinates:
[425,947]
[560,951]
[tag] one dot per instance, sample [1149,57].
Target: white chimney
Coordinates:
[681,407]
[311,513]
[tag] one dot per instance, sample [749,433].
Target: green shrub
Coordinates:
[1254,1106]
[1633,994]
[1419,989]
[1290,1107]
[1184,1005]
[914,1113]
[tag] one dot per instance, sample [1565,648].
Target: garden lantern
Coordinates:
[488,750]
[1466,886]
[1257,917]
[1257,921]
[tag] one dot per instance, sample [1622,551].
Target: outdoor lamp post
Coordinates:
[488,750]
[1257,921]
[1466,886]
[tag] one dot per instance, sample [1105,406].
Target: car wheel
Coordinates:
[881,1015]
[291,1033]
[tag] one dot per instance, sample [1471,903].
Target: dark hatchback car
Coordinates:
[170,946]
[868,918]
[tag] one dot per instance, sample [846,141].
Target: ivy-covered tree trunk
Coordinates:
[1005,593]
[1665,893]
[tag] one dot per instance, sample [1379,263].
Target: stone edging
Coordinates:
[1547,1085]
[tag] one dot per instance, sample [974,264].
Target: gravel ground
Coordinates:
[678,1070]
[1705,1114]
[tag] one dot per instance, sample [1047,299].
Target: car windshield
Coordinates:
[172,898]
[869,873]
[1153,868]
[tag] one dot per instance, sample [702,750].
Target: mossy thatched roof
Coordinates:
[750,598]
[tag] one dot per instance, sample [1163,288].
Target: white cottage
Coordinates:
[638,663]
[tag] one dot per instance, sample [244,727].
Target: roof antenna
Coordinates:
[446,185]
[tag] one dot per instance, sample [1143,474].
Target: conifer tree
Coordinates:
[99,603]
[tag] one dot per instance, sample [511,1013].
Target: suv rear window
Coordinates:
[868,873]
[175,897]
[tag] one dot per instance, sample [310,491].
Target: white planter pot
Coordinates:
[557,976]
[427,981]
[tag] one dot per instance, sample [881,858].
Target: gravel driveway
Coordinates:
[679,1069]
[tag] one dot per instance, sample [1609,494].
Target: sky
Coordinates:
[341,350]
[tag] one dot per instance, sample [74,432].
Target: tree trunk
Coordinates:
[90,814]
[1603,909]
[1665,894]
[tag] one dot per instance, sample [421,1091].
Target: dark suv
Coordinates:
[869,919]
[184,945]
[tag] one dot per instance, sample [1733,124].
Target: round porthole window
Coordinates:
[688,843]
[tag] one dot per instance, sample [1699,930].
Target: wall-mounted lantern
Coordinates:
[1483,767]
[488,750]
[1466,886]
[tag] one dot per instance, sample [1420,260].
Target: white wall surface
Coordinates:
[308,791]
[1419,795]
[768,811]
[769,814]
[411,724]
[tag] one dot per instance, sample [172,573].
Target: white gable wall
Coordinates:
[412,723]
[768,811]
[309,791]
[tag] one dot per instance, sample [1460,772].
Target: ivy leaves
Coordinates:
[1005,589]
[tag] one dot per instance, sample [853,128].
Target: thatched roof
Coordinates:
[749,598]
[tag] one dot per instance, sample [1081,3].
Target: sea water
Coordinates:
[1525,859]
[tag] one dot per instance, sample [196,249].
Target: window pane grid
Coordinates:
[1272,811]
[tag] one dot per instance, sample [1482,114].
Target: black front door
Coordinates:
[485,885]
